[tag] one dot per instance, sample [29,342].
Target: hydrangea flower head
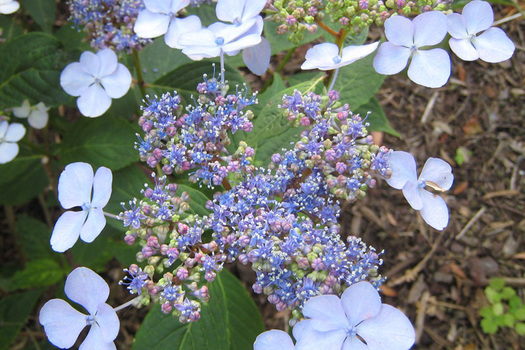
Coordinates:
[10,134]
[492,45]
[63,324]
[8,6]
[74,190]
[37,115]
[326,56]
[335,323]
[436,174]
[96,79]
[430,68]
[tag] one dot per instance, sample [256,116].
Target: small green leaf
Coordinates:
[520,328]
[377,118]
[497,283]
[100,142]
[507,293]
[489,326]
[498,309]
[42,12]
[22,179]
[38,273]
[358,82]
[229,321]
[14,312]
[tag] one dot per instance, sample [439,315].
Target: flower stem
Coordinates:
[326,28]
[222,67]
[125,305]
[334,78]
[109,215]
[138,70]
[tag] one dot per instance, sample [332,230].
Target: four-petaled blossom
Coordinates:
[37,115]
[430,68]
[326,56]
[74,190]
[63,324]
[8,6]
[97,78]
[10,134]
[436,174]
[158,18]
[491,46]
[344,323]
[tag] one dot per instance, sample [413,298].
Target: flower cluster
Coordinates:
[109,22]
[352,15]
[196,138]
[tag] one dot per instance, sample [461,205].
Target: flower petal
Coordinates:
[327,311]
[478,16]
[150,24]
[118,83]
[390,329]
[430,28]
[158,6]
[252,8]
[22,111]
[94,101]
[89,63]
[308,338]
[94,224]
[399,31]
[177,5]
[403,165]
[85,287]
[75,184]
[439,172]
[102,183]
[411,192]
[230,10]
[354,343]
[321,56]
[75,80]
[391,59]
[15,132]
[62,323]
[430,68]
[108,321]
[39,117]
[257,58]
[360,302]
[274,339]
[434,211]
[180,26]
[95,340]
[353,53]
[494,46]
[108,62]
[66,230]
[9,7]
[8,152]
[464,49]
[457,27]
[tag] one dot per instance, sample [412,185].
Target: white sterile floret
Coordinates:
[37,115]
[96,79]
[63,324]
[10,134]
[8,6]
[238,11]
[326,56]
[492,45]
[430,68]
[74,190]
[157,17]
[436,174]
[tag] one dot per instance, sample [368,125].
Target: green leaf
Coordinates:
[206,13]
[73,38]
[377,119]
[95,254]
[38,273]
[42,12]
[22,179]
[229,321]
[198,198]
[489,326]
[30,69]
[14,312]
[100,142]
[358,82]
[157,59]
[33,236]
[9,28]
[185,78]
[520,328]
[497,283]
[271,130]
